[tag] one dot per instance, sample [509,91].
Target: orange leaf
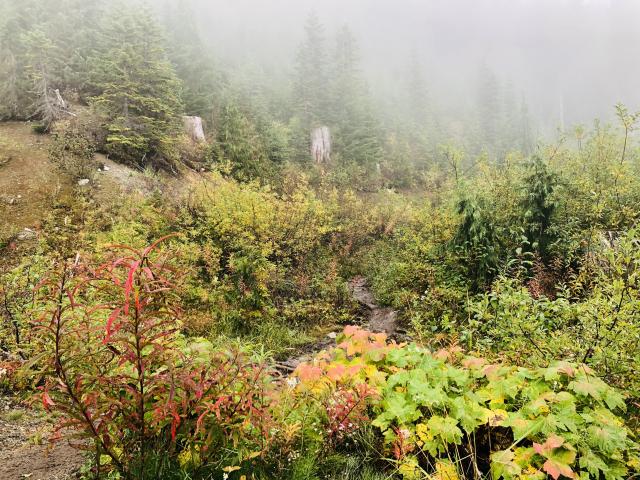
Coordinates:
[555,469]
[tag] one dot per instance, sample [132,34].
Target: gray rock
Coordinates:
[27,234]
[83,182]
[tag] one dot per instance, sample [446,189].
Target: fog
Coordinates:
[571,60]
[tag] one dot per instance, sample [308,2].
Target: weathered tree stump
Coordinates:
[193,128]
[321,145]
[60,102]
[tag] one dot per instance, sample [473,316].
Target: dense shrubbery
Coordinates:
[152,403]
[599,328]
[258,251]
[540,264]
[530,261]
[463,417]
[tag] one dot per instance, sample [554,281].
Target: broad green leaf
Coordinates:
[592,462]
[503,465]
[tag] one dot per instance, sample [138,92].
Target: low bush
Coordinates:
[456,416]
[150,402]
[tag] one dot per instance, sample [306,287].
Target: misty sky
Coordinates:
[583,55]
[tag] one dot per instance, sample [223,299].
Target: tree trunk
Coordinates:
[321,145]
[193,128]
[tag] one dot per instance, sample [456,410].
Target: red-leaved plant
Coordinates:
[346,410]
[131,387]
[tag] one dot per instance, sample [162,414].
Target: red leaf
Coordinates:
[110,321]
[308,372]
[155,244]
[554,441]
[200,419]
[47,403]
[174,424]
[128,286]
[555,469]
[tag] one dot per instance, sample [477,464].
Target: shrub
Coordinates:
[591,321]
[259,252]
[72,151]
[151,402]
[463,415]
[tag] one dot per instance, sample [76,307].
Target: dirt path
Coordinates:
[377,319]
[24,450]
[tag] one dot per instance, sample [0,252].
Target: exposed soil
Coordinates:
[27,178]
[25,451]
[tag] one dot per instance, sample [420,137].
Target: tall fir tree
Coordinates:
[239,145]
[42,70]
[417,94]
[139,90]
[16,19]
[311,75]
[357,131]
[192,62]
[310,86]
[509,125]
[525,133]
[489,110]
[420,127]
[74,32]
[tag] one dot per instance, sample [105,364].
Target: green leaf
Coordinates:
[589,387]
[446,428]
[592,462]
[398,407]
[423,394]
[469,413]
[503,465]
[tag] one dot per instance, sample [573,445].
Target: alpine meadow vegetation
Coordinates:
[248,270]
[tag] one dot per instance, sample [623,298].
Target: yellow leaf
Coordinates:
[497,416]
[445,470]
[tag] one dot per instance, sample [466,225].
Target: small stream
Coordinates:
[378,319]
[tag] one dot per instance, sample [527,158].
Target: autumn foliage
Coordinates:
[130,386]
[152,403]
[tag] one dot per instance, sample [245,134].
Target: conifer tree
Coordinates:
[239,146]
[9,84]
[311,75]
[356,128]
[525,135]
[489,110]
[43,64]
[73,30]
[418,94]
[420,127]
[310,87]
[15,89]
[192,63]
[139,90]
[509,128]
